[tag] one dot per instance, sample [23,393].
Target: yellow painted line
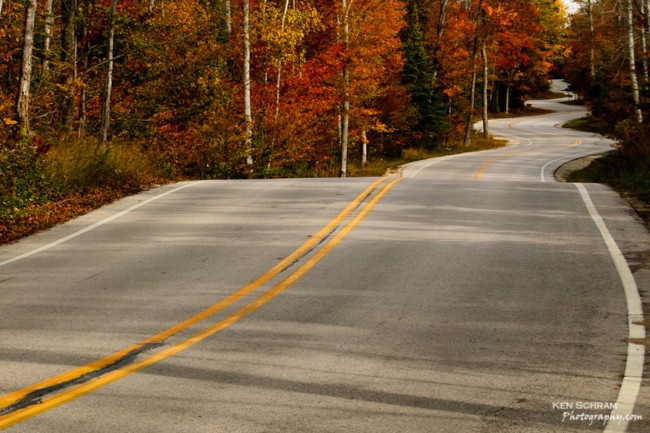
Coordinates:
[578,142]
[112,376]
[482,168]
[76,373]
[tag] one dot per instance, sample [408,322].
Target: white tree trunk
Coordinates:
[486,126]
[228,18]
[278,81]
[83,114]
[592,49]
[644,39]
[345,115]
[69,57]
[49,22]
[632,63]
[22,104]
[472,95]
[248,112]
[364,148]
[108,87]
[647,16]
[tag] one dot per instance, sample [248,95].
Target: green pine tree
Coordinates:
[419,78]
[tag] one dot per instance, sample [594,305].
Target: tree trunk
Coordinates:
[632,63]
[108,86]
[49,22]
[345,115]
[278,81]
[440,27]
[364,147]
[592,49]
[68,48]
[646,17]
[228,18]
[486,126]
[472,97]
[83,30]
[248,114]
[472,102]
[644,40]
[22,104]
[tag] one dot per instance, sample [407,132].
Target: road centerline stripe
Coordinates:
[76,391]
[204,314]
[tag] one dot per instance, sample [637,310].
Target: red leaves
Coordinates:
[38,217]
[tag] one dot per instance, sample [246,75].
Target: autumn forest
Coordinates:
[102,97]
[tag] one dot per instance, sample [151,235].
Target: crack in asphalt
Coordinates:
[35,397]
[328,235]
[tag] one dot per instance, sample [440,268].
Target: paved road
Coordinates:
[472,294]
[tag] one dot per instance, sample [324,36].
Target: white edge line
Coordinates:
[95,225]
[624,407]
[432,162]
[558,159]
[569,158]
[438,159]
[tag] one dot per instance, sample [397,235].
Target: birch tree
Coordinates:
[632,62]
[248,114]
[486,126]
[472,98]
[22,104]
[68,56]
[345,109]
[108,85]
[49,22]
[592,48]
[644,39]
[228,17]
[278,81]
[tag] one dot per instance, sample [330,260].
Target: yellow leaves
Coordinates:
[209,82]
[283,33]
[382,127]
[9,122]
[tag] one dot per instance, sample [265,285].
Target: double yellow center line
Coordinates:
[33,400]
[483,167]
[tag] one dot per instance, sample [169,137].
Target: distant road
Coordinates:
[472,294]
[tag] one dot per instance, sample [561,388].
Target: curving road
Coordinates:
[472,294]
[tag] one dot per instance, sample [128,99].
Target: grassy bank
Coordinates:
[382,166]
[626,170]
[74,177]
[40,188]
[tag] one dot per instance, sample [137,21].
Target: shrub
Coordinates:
[82,165]
[22,178]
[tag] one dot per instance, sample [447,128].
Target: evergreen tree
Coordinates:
[420,80]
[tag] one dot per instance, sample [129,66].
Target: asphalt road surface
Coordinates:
[472,293]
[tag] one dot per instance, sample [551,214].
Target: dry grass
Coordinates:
[78,176]
[381,166]
[79,166]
